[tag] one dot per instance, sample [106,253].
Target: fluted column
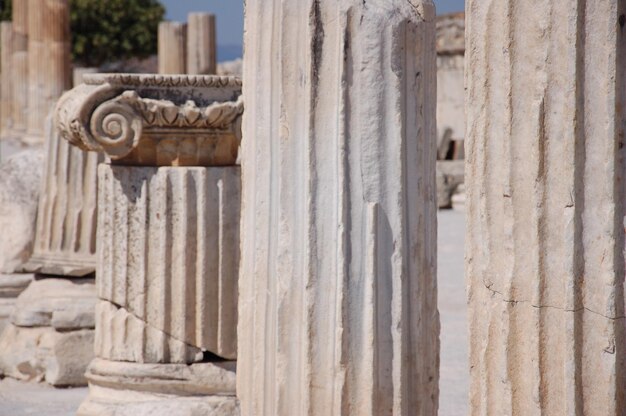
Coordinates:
[48,60]
[201,44]
[65,242]
[168,240]
[172,48]
[337,292]
[545,206]
[6,80]
[58,42]
[36,66]
[19,68]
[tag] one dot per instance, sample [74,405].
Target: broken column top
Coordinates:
[155,120]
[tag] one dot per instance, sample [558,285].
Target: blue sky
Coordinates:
[230,18]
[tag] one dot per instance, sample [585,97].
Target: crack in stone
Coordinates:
[495,292]
[155,328]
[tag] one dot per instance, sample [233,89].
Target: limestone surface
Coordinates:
[545,207]
[337,290]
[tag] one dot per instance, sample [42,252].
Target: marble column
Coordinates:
[172,48]
[19,64]
[6,79]
[168,240]
[337,292]
[48,61]
[201,44]
[37,65]
[545,206]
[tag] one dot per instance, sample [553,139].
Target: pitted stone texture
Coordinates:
[546,94]
[60,303]
[44,354]
[169,256]
[20,180]
[337,290]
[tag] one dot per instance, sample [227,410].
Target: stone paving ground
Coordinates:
[25,399]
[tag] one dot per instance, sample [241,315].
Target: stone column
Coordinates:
[19,68]
[48,61]
[172,48]
[337,292]
[168,240]
[37,65]
[201,44]
[6,79]
[545,206]
[58,41]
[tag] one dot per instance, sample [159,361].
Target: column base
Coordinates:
[133,389]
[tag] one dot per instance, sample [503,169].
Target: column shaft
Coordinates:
[337,295]
[172,48]
[545,236]
[6,80]
[20,66]
[201,41]
[48,60]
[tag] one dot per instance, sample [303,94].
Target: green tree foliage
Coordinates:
[5,10]
[109,30]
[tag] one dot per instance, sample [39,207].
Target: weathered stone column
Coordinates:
[201,44]
[19,68]
[172,48]
[58,41]
[48,61]
[37,65]
[6,79]
[337,293]
[168,240]
[545,201]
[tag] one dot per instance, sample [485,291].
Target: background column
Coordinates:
[544,260]
[201,41]
[20,66]
[172,48]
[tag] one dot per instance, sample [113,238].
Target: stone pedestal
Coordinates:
[545,207]
[337,292]
[172,48]
[168,240]
[201,44]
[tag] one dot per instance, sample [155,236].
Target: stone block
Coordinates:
[45,354]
